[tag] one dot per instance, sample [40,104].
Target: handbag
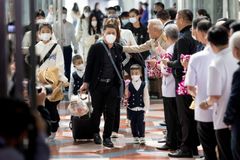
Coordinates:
[121,89]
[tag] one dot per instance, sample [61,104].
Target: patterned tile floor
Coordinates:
[64,147]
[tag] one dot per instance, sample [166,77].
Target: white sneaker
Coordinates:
[135,140]
[142,140]
[114,135]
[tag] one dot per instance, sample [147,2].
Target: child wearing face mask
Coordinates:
[137,97]
[54,60]
[76,79]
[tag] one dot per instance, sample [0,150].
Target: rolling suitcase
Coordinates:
[81,127]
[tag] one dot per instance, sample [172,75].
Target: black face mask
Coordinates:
[155,12]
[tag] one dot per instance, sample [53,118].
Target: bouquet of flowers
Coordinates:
[165,70]
[77,106]
[154,72]
[182,89]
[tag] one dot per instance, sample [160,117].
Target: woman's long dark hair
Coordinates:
[91,28]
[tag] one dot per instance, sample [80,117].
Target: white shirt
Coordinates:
[220,75]
[197,76]
[128,40]
[55,59]
[168,81]
[68,35]
[146,99]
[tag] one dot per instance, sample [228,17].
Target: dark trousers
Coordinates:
[117,117]
[137,123]
[67,54]
[224,143]
[172,122]
[189,138]
[207,139]
[104,100]
[54,116]
[235,141]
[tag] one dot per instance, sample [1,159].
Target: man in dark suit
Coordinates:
[103,82]
[185,45]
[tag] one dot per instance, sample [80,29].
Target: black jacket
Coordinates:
[233,107]
[95,61]
[185,45]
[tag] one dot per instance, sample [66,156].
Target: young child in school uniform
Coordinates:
[76,79]
[137,97]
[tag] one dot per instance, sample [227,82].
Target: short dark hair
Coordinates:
[186,14]
[124,14]
[22,115]
[39,13]
[64,9]
[197,20]
[164,15]
[228,23]
[135,11]
[204,25]
[172,12]
[76,57]
[160,4]
[45,25]
[203,12]
[111,8]
[235,26]
[218,35]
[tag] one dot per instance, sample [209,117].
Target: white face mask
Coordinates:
[125,21]
[80,67]
[40,21]
[86,14]
[94,23]
[45,36]
[135,78]
[64,16]
[133,19]
[110,38]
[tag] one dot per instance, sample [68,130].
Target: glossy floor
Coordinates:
[64,147]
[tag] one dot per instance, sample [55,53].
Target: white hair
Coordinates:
[234,41]
[171,31]
[156,23]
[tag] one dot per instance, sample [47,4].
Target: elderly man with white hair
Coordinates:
[156,42]
[232,115]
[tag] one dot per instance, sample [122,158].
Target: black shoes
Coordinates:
[107,142]
[166,147]
[181,154]
[97,139]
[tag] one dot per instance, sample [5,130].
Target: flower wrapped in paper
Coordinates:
[165,70]
[77,106]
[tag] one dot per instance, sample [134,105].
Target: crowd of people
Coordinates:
[197,61]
